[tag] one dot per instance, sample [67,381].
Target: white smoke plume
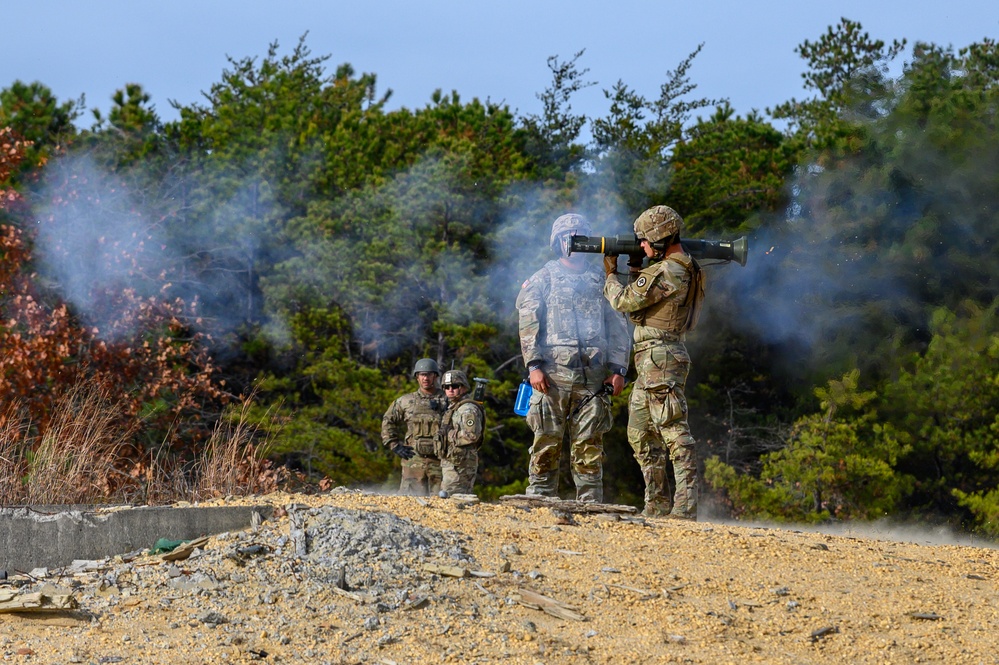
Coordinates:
[99,233]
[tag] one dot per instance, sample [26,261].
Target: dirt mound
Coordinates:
[354,577]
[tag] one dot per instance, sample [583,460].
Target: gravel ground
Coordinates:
[356,577]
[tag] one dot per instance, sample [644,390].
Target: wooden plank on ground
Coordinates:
[556,608]
[566,505]
[35,602]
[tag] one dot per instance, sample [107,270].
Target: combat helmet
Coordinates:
[453,376]
[426,365]
[565,224]
[658,222]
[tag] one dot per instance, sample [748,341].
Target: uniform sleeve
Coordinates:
[651,286]
[393,425]
[531,311]
[468,425]
[618,337]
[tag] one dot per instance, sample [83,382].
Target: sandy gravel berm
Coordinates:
[356,577]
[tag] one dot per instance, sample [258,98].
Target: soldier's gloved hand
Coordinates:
[405,452]
[635,260]
[610,265]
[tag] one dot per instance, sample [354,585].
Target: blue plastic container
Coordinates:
[523,402]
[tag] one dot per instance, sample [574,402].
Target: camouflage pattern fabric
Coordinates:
[549,416]
[421,476]
[463,426]
[413,420]
[657,413]
[658,430]
[564,320]
[566,325]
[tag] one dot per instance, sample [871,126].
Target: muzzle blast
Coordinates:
[723,250]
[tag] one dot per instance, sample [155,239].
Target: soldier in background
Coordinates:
[460,435]
[663,301]
[573,343]
[409,429]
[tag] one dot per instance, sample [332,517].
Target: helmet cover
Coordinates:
[455,376]
[569,224]
[658,222]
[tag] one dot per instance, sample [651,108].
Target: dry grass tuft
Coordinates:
[72,461]
[85,456]
[232,463]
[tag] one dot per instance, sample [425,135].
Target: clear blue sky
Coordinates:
[489,50]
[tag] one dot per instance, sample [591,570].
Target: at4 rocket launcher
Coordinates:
[723,250]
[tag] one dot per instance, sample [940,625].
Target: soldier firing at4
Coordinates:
[663,301]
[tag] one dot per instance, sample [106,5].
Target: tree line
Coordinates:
[294,238]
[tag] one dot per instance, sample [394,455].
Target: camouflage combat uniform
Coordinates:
[656,300]
[413,419]
[459,440]
[566,324]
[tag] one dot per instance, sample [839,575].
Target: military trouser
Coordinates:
[421,476]
[459,468]
[658,430]
[550,416]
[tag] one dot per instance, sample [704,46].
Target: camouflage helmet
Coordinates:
[453,376]
[570,223]
[426,365]
[658,222]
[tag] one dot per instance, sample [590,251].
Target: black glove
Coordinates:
[405,452]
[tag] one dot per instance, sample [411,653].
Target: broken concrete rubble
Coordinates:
[32,538]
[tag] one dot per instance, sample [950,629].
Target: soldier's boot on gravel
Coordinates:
[685,471]
[543,484]
[589,487]
[658,493]
[657,508]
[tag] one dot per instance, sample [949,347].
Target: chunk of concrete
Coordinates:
[30,538]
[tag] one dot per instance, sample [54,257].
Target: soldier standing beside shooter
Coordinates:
[460,435]
[409,429]
[572,343]
[663,302]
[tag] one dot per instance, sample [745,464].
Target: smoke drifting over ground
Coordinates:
[885,530]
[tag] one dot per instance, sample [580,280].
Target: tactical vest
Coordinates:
[680,312]
[422,424]
[574,314]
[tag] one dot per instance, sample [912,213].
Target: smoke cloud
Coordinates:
[99,233]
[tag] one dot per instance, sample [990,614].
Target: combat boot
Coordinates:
[589,487]
[657,508]
[543,484]
[658,493]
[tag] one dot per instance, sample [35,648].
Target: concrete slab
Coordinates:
[32,537]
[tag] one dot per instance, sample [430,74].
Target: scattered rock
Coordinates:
[369,587]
